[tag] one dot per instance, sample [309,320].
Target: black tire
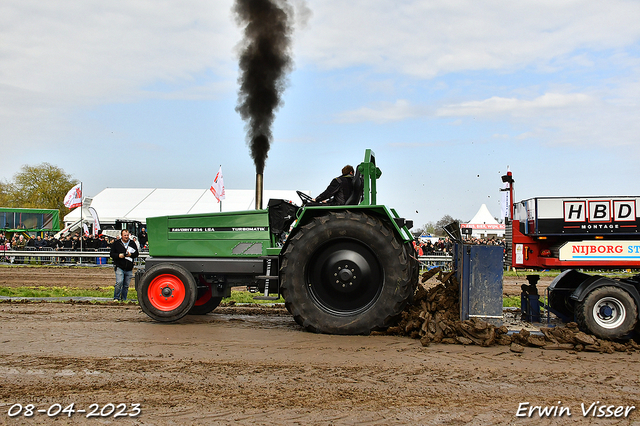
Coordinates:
[608,313]
[347,273]
[560,301]
[204,303]
[167,292]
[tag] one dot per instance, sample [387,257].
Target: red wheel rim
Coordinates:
[204,298]
[166,292]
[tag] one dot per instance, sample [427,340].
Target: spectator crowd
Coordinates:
[428,248]
[444,246]
[70,242]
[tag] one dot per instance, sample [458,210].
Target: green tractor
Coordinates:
[347,269]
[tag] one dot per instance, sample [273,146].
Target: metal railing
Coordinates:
[45,256]
[436,259]
[48,256]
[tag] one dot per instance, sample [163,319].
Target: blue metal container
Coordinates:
[479,272]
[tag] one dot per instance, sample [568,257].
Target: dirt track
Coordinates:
[256,366]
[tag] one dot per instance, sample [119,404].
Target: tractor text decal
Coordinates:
[221,229]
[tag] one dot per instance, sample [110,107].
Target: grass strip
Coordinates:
[236,296]
[511,302]
[59,292]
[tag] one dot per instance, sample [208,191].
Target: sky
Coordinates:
[447,93]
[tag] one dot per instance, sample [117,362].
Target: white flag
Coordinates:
[217,187]
[96,221]
[73,198]
[85,228]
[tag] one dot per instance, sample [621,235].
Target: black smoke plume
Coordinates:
[265,61]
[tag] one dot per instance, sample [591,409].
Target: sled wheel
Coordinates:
[167,292]
[346,273]
[608,312]
[205,303]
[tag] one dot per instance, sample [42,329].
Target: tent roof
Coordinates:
[483,217]
[140,203]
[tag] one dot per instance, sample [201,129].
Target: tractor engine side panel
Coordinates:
[233,234]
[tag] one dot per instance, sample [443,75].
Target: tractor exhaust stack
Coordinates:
[258,191]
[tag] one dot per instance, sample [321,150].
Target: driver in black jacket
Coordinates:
[339,190]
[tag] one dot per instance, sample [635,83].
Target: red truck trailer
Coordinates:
[585,233]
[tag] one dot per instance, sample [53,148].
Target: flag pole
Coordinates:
[220,200]
[81,221]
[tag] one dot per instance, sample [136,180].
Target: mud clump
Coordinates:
[434,317]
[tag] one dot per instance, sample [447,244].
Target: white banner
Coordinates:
[505,208]
[601,250]
[96,221]
[496,226]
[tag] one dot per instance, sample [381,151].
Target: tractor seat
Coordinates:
[358,186]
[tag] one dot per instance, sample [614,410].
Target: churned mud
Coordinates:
[251,365]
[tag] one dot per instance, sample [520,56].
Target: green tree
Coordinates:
[428,228]
[42,186]
[4,194]
[446,220]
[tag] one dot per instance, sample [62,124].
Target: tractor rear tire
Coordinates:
[608,312]
[347,273]
[167,292]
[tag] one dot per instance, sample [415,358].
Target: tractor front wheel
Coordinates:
[346,273]
[167,292]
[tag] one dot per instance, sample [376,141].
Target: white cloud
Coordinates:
[383,113]
[93,49]
[425,39]
[577,119]
[496,106]
[58,56]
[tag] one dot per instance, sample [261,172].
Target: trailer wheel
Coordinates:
[167,292]
[346,273]
[205,303]
[608,312]
[560,301]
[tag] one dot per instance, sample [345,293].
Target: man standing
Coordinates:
[123,253]
[144,238]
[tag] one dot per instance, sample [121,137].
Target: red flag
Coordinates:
[217,187]
[73,198]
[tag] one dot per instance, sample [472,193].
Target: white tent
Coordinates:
[484,224]
[140,203]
